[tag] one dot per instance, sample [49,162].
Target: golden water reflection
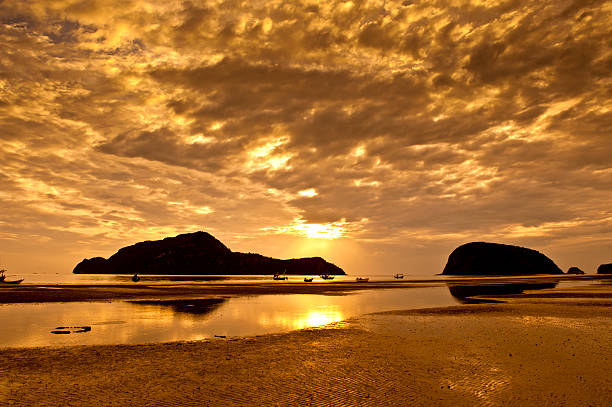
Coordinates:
[28,325]
[314,318]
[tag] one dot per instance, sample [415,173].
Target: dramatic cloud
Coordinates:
[375,133]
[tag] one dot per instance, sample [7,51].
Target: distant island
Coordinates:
[198,253]
[605,269]
[483,258]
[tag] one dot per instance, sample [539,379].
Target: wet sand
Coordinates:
[530,350]
[106,292]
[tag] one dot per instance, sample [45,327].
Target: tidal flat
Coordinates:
[540,347]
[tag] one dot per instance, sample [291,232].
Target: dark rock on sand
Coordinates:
[605,269]
[574,270]
[197,253]
[481,258]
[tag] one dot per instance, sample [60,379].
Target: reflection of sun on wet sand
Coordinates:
[541,348]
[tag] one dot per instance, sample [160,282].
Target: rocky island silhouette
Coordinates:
[198,253]
[483,258]
[604,268]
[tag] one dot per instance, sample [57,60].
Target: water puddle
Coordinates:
[123,322]
[131,322]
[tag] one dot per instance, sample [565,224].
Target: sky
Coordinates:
[379,135]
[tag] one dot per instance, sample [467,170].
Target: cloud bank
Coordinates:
[377,133]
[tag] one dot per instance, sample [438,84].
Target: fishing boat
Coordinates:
[3,279]
[278,276]
[308,279]
[398,275]
[362,279]
[327,277]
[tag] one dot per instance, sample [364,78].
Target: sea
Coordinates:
[69,278]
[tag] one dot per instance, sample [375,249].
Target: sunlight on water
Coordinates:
[27,325]
[307,320]
[319,318]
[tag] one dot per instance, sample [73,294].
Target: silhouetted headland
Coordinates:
[198,253]
[605,269]
[482,258]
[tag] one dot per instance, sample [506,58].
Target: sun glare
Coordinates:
[323,231]
[320,231]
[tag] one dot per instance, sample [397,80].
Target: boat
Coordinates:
[327,277]
[362,279]
[3,279]
[308,279]
[278,276]
[398,275]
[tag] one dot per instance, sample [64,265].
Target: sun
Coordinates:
[326,231]
[320,231]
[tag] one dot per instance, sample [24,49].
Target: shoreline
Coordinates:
[529,350]
[42,293]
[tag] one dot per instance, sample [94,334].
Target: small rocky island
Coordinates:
[604,268]
[575,270]
[198,253]
[482,258]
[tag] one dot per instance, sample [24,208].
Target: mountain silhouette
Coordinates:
[197,253]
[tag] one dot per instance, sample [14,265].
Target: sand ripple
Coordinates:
[394,359]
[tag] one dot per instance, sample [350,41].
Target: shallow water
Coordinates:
[69,278]
[85,323]
[142,321]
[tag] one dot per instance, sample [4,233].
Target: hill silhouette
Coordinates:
[198,253]
[483,258]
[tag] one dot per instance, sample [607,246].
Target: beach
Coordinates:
[546,347]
